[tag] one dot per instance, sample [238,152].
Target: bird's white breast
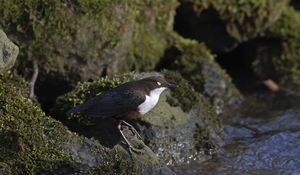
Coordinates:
[151,100]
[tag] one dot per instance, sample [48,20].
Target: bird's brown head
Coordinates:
[159,81]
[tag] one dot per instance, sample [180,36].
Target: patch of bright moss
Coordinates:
[185,96]
[149,36]
[193,56]
[25,144]
[287,26]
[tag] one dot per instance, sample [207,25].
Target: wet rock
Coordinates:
[288,120]
[237,132]
[258,142]
[177,136]
[268,145]
[8,52]
[223,25]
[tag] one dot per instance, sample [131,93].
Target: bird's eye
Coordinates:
[158,83]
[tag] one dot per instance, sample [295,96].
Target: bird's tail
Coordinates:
[76,109]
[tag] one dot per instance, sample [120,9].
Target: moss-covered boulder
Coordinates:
[195,62]
[181,128]
[8,52]
[24,129]
[222,25]
[33,143]
[83,40]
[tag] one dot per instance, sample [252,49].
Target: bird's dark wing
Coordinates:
[114,103]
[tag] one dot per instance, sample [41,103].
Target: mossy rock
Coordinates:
[223,25]
[24,130]
[170,129]
[195,62]
[33,143]
[8,52]
[83,40]
[86,39]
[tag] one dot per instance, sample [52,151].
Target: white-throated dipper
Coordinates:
[128,101]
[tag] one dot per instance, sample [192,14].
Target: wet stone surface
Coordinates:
[257,145]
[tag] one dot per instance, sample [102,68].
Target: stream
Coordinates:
[264,139]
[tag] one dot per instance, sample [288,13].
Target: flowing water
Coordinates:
[262,140]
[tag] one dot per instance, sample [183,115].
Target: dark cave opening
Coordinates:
[238,67]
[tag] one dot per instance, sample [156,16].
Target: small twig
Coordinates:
[33,78]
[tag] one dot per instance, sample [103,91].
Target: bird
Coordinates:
[127,101]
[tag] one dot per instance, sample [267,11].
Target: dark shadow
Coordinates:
[49,87]
[170,55]
[205,27]
[9,145]
[239,65]
[104,130]
[295,4]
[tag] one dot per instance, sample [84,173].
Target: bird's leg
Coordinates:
[127,142]
[132,129]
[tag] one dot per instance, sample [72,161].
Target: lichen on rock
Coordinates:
[8,52]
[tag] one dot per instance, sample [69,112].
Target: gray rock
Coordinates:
[8,52]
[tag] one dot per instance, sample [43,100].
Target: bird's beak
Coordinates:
[172,86]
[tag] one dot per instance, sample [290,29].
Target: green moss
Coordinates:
[24,129]
[287,27]
[185,96]
[193,56]
[149,37]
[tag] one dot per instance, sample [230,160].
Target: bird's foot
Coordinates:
[131,148]
[132,129]
[135,133]
[136,150]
